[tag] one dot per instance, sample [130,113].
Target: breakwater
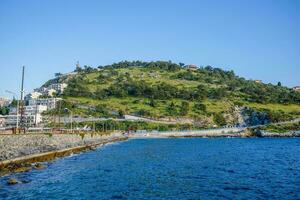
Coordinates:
[19,150]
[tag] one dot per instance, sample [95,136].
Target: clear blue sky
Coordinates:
[258,39]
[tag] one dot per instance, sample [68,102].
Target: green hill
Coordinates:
[165,90]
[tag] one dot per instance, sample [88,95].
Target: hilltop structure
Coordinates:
[78,68]
[192,67]
[297,88]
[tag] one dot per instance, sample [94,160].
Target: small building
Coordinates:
[52,89]
[50,92]
[29,120]
[192,67]
[2,120]
[258,81]
[297,88]
[51,103]
[34,109]
[4,101]
[32,95]
[58,87]
[40,90]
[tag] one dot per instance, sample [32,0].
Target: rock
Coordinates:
[4,172]
[12,181]
[21,170]
[250,132]
[39,166]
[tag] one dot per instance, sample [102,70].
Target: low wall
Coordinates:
[14,146]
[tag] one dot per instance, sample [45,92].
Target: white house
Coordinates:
[297,88]
[49,102]
[29,120]
[34,109]
[192,67]
[33,95]
[58,87]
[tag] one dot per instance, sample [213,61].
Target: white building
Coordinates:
[52,89]
[297,88]
[51,92]
[34,109]
[49,102]
[29,120]
[4,101]
[58,87]
[32,116]
[40,90]
[192,67]
[2,120]
[33,95]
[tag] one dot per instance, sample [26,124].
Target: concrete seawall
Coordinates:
[15,146]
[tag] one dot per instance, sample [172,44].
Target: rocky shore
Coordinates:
[286,134]
[228,132]
[15,146]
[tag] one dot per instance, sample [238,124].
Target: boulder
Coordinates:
[250,132]
[21,169]
[12,181]
[39,166]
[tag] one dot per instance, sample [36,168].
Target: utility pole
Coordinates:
[22,121]
[59,109]
[36,112]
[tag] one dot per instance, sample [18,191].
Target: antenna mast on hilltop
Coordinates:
[22,121]
[77,66]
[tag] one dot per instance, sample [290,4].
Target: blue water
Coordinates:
[169,169]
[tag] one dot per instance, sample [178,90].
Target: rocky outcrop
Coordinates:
[250,132]
[253,118]
[12,181]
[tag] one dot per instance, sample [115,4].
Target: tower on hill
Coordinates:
[78,68]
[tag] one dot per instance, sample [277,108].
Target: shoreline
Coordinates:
[210,134]
[27,162]
[19,164]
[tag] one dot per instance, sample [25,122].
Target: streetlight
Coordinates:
[18,105]
[68,110]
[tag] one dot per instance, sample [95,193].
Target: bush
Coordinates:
[219,119]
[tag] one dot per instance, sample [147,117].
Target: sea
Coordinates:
[168,168]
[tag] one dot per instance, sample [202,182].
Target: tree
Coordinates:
[217,93]
[279,84]
[4,110]
[199,107]
[57,74]
[184,108]
[171,109]
[152,103]
[121,113]
[88,69]
[219,119]
[102,110]
[181,64]
[201,92]
[14,103]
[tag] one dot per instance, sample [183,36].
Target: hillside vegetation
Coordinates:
[164,90]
